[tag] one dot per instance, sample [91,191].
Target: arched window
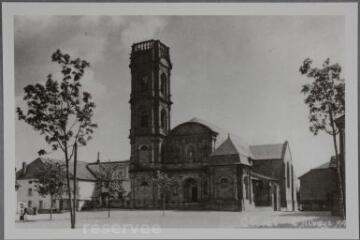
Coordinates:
[144,184]
[144,153]
[144,119]
[30,192]
[163,118]
[205,188]
[287,174]
[163,83]
[144,148]
[224,181]
[176,189]
[144,85]
[190,154]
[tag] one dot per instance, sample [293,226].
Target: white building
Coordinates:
[86,173]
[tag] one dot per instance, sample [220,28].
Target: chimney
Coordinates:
[98,158]
[24,168]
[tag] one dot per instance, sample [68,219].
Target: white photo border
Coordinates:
[349,10]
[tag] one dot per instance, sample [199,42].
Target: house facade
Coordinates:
[87,185]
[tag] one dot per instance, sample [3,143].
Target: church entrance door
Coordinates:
[190,190]
[194,194]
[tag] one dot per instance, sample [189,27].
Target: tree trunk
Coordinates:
[108,203]
[51,206]
[163,205]
[75,186]
[68,185]
[338,169]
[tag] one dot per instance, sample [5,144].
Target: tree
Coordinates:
[52,182]
[110,183]
[62,112]
[164,185]
[325,97]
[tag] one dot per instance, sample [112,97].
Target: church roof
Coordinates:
[230,147]
[211,126]
[223,135]
[229,144]
[268,151]
[226,148]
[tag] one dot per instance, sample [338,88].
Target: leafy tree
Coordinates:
[62,112]
[52,182]
[164,184]
[110,182]
[325,97]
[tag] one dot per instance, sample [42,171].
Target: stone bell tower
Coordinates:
[150,105]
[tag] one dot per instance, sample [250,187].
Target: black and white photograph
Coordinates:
[180,120]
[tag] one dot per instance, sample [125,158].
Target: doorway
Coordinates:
[194,192]
[190,190]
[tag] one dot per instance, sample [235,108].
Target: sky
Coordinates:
[237,72]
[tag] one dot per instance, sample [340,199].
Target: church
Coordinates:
[212,169]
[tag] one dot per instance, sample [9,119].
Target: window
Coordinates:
[224,181]
[144,120]
[30,192]
[41,204]
[30,182]
[144,148]
[190,154]
[246,184]
[176,189]
[29,204]
[292,175]
[163,84]
[163,118]
[205,188]
[288,174]
[144,86]
[143,186]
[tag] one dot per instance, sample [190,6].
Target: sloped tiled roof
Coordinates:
[226,148]
[238,142]
[323,166]
[95,166]
[82,171]
[331,164]
[327,165]
[231,146]
[32,169]
[268,151]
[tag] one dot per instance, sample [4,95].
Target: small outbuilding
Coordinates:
[318,187]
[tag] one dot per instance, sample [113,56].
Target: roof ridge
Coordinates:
[322,166]
[268,144]
[104,162]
